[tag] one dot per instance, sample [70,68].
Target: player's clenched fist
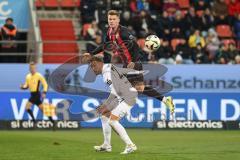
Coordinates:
[102,109]
[86,58]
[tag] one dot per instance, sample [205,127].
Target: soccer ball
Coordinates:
[152,43]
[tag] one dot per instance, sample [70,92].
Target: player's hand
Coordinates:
[131,65]
[22,86]
[43,95]
[85,58]
[102,109]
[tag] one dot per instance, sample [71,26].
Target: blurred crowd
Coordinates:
[201,31]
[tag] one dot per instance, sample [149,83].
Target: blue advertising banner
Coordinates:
[189,106]
[184,78]
[16,9]
[200,92]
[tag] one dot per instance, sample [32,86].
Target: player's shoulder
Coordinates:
[38,74]
[126,32]
[107,67]
[28,75]
[124,28]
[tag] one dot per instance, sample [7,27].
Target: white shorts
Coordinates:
[121,110]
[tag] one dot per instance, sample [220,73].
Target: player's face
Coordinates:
[96,67]
[33,69]
[113,21]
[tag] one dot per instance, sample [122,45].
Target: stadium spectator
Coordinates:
[222,20]
[93,31]
[171,6]
[233,52]
[116,5]
[201,6]
[237,59]
[126,19]
[143,23]
[222,56]
[212,42]
[220,8]
[237,27]
[9,33]
[164,54]
[155,6]
[193,20]
[133,6]
[199,55]
[165,26]
[196,38]
[207,20]
[87,9]
[142,5]
[185,52]
[101,13]
[234,7]
[179,26]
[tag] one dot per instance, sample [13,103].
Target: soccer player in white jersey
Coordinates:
[122,97]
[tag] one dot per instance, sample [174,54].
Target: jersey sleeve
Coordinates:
[44,83]
[101,47]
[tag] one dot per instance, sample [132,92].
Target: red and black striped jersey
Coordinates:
[121,43]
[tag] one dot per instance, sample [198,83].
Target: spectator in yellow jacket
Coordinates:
[196,38]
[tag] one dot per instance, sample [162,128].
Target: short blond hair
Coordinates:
[32,64]
[113,12]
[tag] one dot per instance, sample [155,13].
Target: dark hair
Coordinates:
[96,58]
[9,19]
[114,12]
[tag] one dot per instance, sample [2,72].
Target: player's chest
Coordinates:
[33,80]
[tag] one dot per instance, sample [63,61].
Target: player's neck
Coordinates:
[115,29]
[33,73]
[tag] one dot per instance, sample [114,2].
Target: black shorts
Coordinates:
[136,78]
[35,98]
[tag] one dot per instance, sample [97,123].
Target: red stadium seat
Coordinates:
[184,12]
[175,42]
[183,3]
[39,3]
[228,41]
[200,13]
[61,31]
[69,3]
[85,27]
[141,42]
[51,3]
[227,1]
[224,31]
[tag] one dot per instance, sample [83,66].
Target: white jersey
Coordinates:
[119,85]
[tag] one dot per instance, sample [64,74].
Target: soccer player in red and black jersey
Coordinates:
[122,44]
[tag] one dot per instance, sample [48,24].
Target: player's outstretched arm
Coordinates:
[128,71]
